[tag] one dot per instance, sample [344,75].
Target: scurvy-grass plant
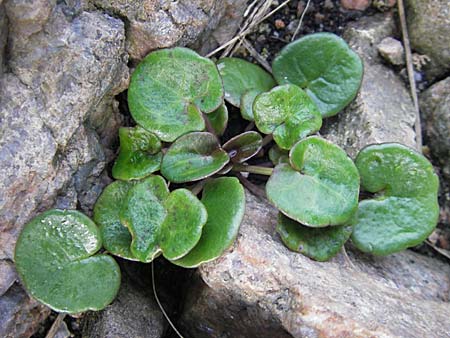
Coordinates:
[177,99]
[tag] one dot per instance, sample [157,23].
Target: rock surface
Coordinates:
[359,5]
[261,289]
[383,110]
[435,108]
[429,32]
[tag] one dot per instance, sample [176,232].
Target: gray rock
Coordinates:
[435,108]
[134,313]
[383,110]
[429,33]
[261,289]
[392,51]
[7,276]
[63,331]
[3,35]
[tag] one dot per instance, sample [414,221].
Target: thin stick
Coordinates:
[301,20]
[263,62]
[253,188]
[443,252]
[347,259]
[409,68]
[55,326]
[246,31]
[253,169]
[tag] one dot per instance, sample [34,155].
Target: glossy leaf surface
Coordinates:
[406,210]
[170,88]
[224,200]
[139,154]
[116,237]
[319,188]
[247,100]
[243,146]
[240,76]
[143,213]
[55,258]
[219,119]
[324,66]
[192,157]
[319,244]
[288,113]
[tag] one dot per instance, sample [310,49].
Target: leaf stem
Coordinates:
[253,169]
[267,139]
[253,188]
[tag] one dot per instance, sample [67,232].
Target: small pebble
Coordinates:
[392,51]
[358,5]
[279,24]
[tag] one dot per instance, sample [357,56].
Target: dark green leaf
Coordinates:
[406,211]
[247,100]
[219,119]
[319,244]
[170,88]
[243,146]
[139,154]
[192,157]
[321,188]
[224,200]
[240,76]
[55,259]
[325,66]
[288,113]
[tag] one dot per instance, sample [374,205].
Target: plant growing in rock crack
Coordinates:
[177,99]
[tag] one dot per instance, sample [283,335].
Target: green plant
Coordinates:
[177,99]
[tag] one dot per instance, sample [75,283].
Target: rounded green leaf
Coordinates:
[247,100]
[288,113]
[192,157]
[319,244]
[170,88]
[243,146]
[224,200]
[405,210]
[139,154]
[325,67]
[278,155]
[55,259]
[219,119]
[319,188]
[116,237]
[143,213]
[182,228]
[240,76]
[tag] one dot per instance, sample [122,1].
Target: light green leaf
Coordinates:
[247,100]
[219,119]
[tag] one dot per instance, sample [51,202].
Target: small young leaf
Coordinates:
[170,89]
[143,213]
[182,228]
[324,66]
[320,187]
[116,237]
[139,154]
[319,244]
[288,113]
[278,155]
[407,210]
[243,146]
[192,157]
[219,119]
[55,259]
[224,200]
[240,76]
[247,100]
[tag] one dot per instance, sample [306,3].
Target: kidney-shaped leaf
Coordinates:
[243,146]
[319,244]
[139,154]
[407,210]
[224,200]
[170,88]
[247,100]
[219,119]
[240,76]
[325,66]
[288,113]
[319,188]
[192,157]
[55,259]
[116,237]
[278,155]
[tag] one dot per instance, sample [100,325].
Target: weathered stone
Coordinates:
[7,275]
[63,331]
[383,110]
[392,51]
[429,33]
[20,315]
[359,5]
[160,24]
[261,289]
[3,34]
[134,313]
[435,108]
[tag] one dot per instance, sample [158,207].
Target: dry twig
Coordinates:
[301,20]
